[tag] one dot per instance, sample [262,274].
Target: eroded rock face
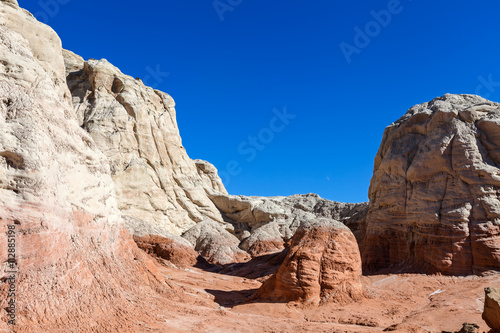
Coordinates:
[214,243]
[136,128]
[323,264]
[158,243]
[264,240]
[491,313]
[77,265]
[434,203]
[210,176]
[248,214]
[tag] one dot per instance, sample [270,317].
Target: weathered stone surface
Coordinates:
[178,251]
[264,240]
[158,243]
[434,204]
[78,268]
[491,313]
[248,214]
[469,328]
[136,128]
[214,243]
[323,265]
[209,175]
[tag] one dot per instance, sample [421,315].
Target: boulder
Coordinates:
[322,265]
[214,243]
[161,244]
[434,204]
[491,313]
[469,328]
[265,240]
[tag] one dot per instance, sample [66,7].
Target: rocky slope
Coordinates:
[434,204]
[77,266]
[136,128]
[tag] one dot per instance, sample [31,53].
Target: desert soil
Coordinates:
[218,303]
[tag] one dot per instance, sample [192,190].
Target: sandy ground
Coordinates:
[217,302]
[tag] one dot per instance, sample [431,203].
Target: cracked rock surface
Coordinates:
[434,195]
[135,126]
[322,265]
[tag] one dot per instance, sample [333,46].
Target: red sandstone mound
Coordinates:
[434,204]
[323,265]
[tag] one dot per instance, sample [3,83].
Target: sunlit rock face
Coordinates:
[77,266]
[434,195]
[135,126]
[322,265]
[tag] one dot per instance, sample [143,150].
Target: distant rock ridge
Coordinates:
[158,183]
[434,195]
[264,224]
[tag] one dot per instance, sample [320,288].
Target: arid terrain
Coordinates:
[400,303]
[107,224]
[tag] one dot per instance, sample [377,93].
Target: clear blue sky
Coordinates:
[228,75]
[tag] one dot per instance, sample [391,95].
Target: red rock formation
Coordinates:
[323,265]
[434,203]
[171,249]
[491,313]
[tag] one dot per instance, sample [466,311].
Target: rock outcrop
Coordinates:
[210,176]
[434,203]
[161,244]
[323,264]
[214,243]
[264,240]
[77,267]
[491,313]
[249,214]
[136,128]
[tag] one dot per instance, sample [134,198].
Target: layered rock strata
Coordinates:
[265,223]
[434,195]
[135,126]
[77,267]
[323,264]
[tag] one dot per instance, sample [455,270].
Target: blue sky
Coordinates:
[342,70]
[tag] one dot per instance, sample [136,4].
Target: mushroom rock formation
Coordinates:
[76,264]
[322,265]
[434,195]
